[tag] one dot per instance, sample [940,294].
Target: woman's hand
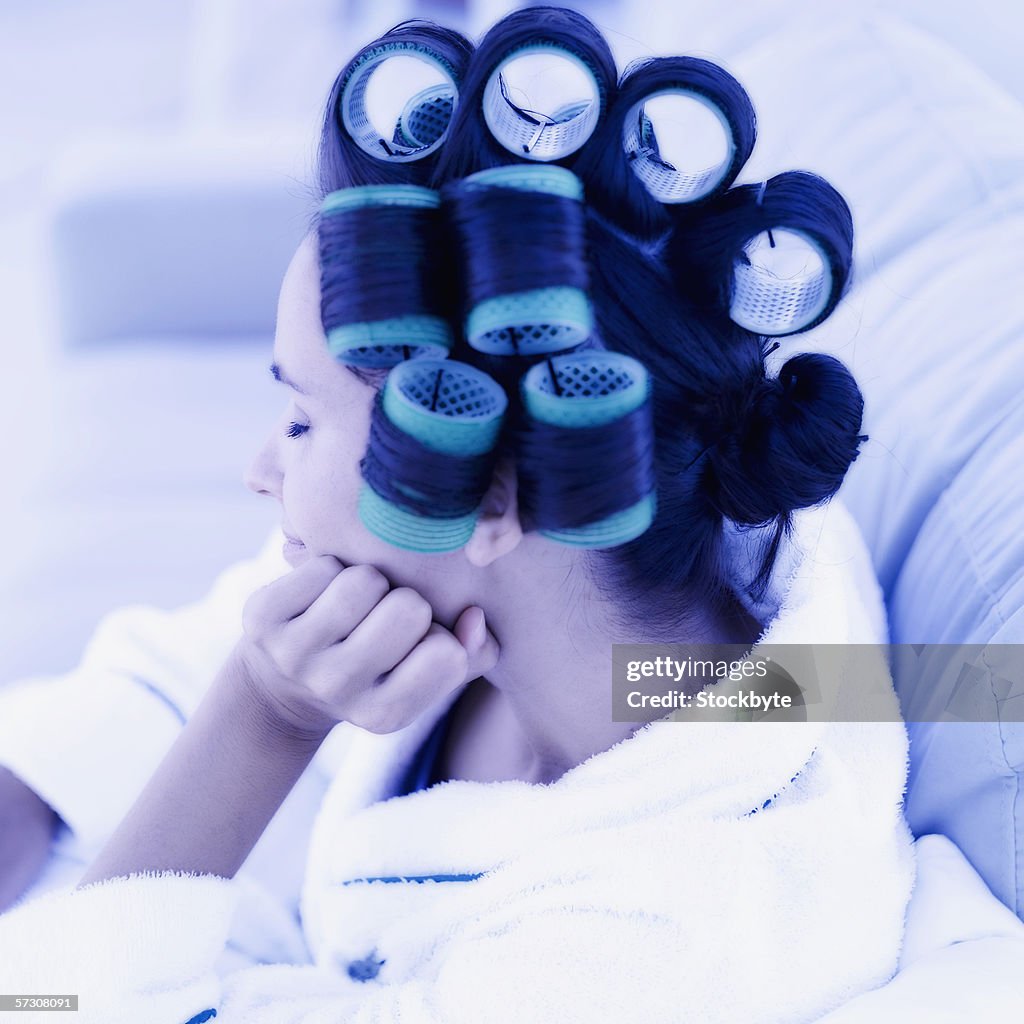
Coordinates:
[329,643]
[321,645]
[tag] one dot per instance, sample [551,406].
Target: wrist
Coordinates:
[272,715]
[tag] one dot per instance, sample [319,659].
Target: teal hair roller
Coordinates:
[382,296]
[589,448]
[556,314]
[430,458]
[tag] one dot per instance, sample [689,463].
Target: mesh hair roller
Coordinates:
[808,224]
[382,296]
[359,145]
[405,145]
[537,88]
[697,80]
[532,134]
[430,458]
[585,460]
[425,117]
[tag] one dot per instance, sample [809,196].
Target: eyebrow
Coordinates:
[278,374]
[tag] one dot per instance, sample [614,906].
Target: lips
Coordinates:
[294,551]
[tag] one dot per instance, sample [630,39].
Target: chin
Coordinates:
[295,553]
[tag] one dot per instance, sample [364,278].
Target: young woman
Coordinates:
[495,846]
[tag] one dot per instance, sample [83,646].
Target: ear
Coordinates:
[498,530]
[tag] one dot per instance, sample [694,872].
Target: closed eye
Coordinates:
[296,429]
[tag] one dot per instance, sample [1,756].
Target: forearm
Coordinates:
[214,793]
[26,829]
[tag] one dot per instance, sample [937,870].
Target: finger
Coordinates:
[434,667]
[345,602]
[482,647]
[386,636]
[289,596]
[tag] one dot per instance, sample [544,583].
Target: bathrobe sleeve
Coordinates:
[142,948]
[87,741]
[963,951]
[145,948]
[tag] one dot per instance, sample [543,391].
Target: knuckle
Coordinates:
[324,685]
[366,581]
[286,656]
[449,656]
[367,578]
[412,609]
[336,678]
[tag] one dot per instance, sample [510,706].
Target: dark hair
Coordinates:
[341,163]
[730,440]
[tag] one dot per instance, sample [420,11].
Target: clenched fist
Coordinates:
[328,643]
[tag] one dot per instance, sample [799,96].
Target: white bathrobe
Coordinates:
[701,872]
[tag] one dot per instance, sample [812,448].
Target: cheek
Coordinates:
[321,497]
[321,489]
[321,493]
[336,486]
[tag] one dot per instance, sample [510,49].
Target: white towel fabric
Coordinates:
[713,872]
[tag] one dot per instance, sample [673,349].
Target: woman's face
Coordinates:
[310,460]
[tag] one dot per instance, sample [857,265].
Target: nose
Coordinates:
[263,475]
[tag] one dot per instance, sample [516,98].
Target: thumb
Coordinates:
[471,630]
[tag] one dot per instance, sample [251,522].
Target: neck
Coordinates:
[549,695]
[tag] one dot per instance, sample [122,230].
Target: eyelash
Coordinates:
[296,429]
